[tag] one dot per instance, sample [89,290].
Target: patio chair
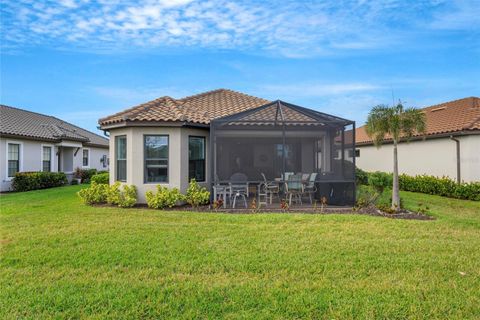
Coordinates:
[238,188]
[270,188]
[221,190]
[294,188]
[310,187]
[286,176]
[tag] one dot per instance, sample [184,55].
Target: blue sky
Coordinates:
[80,59]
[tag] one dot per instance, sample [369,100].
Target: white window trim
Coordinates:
[20,160]
[52,156]
[88,165]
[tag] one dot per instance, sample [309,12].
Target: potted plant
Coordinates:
[78,175]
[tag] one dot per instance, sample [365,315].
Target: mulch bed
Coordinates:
[371,210]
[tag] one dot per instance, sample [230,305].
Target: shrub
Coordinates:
[163,198]
[113,195]
[74,182]
[85,174]
[380,180]
[128,197]
[100,178]
[469,191]
[197,195]
[361,177]
[25,181]
[96,193]
[443,186]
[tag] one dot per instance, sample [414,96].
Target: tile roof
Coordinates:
[23,123]
[448,117]
[199,109]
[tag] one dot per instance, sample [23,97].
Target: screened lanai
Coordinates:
[283,151]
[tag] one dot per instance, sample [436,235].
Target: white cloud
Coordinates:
[289,28]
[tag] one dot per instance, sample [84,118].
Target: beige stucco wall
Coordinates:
[177,156]
[31,158]
[435,157]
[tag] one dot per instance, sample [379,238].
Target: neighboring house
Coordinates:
[451,146]
[31,141]
[222,135]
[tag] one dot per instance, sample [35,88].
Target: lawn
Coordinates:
[62,259]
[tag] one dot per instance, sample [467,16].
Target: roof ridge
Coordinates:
[202,94]
[146,107]
[452,101]
[29,111]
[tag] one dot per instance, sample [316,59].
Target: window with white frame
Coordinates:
[121,158]
[46,159]
[13,159]
[86,156]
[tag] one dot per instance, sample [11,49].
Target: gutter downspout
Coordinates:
[457,143]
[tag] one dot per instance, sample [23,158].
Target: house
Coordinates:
[222,135]
[450,147]
[32,141]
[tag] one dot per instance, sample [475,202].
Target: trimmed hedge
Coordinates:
[443,186]
[25,181]
[102,178]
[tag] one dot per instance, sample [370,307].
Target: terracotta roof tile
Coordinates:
[200,108]
[448,117]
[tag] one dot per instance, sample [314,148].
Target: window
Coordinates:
[196,158]
[13,159]
[121,157]
[156,158]
[85,159]
[357,153]
[46,159]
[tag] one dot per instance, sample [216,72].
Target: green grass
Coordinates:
[62,259]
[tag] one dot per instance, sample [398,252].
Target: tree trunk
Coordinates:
[395,188]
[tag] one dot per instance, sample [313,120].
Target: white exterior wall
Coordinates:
[177,156]
[31,158]
[435,157]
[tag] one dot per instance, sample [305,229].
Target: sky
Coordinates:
[80,60]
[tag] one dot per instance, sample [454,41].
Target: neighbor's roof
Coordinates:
[27,124]
[196,109]
[449,117]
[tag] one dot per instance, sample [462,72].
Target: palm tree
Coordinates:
[394,122]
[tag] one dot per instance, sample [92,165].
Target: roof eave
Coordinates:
[426,137]
[125,124]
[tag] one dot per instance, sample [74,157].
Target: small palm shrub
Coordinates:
[197,195]
[163,198]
